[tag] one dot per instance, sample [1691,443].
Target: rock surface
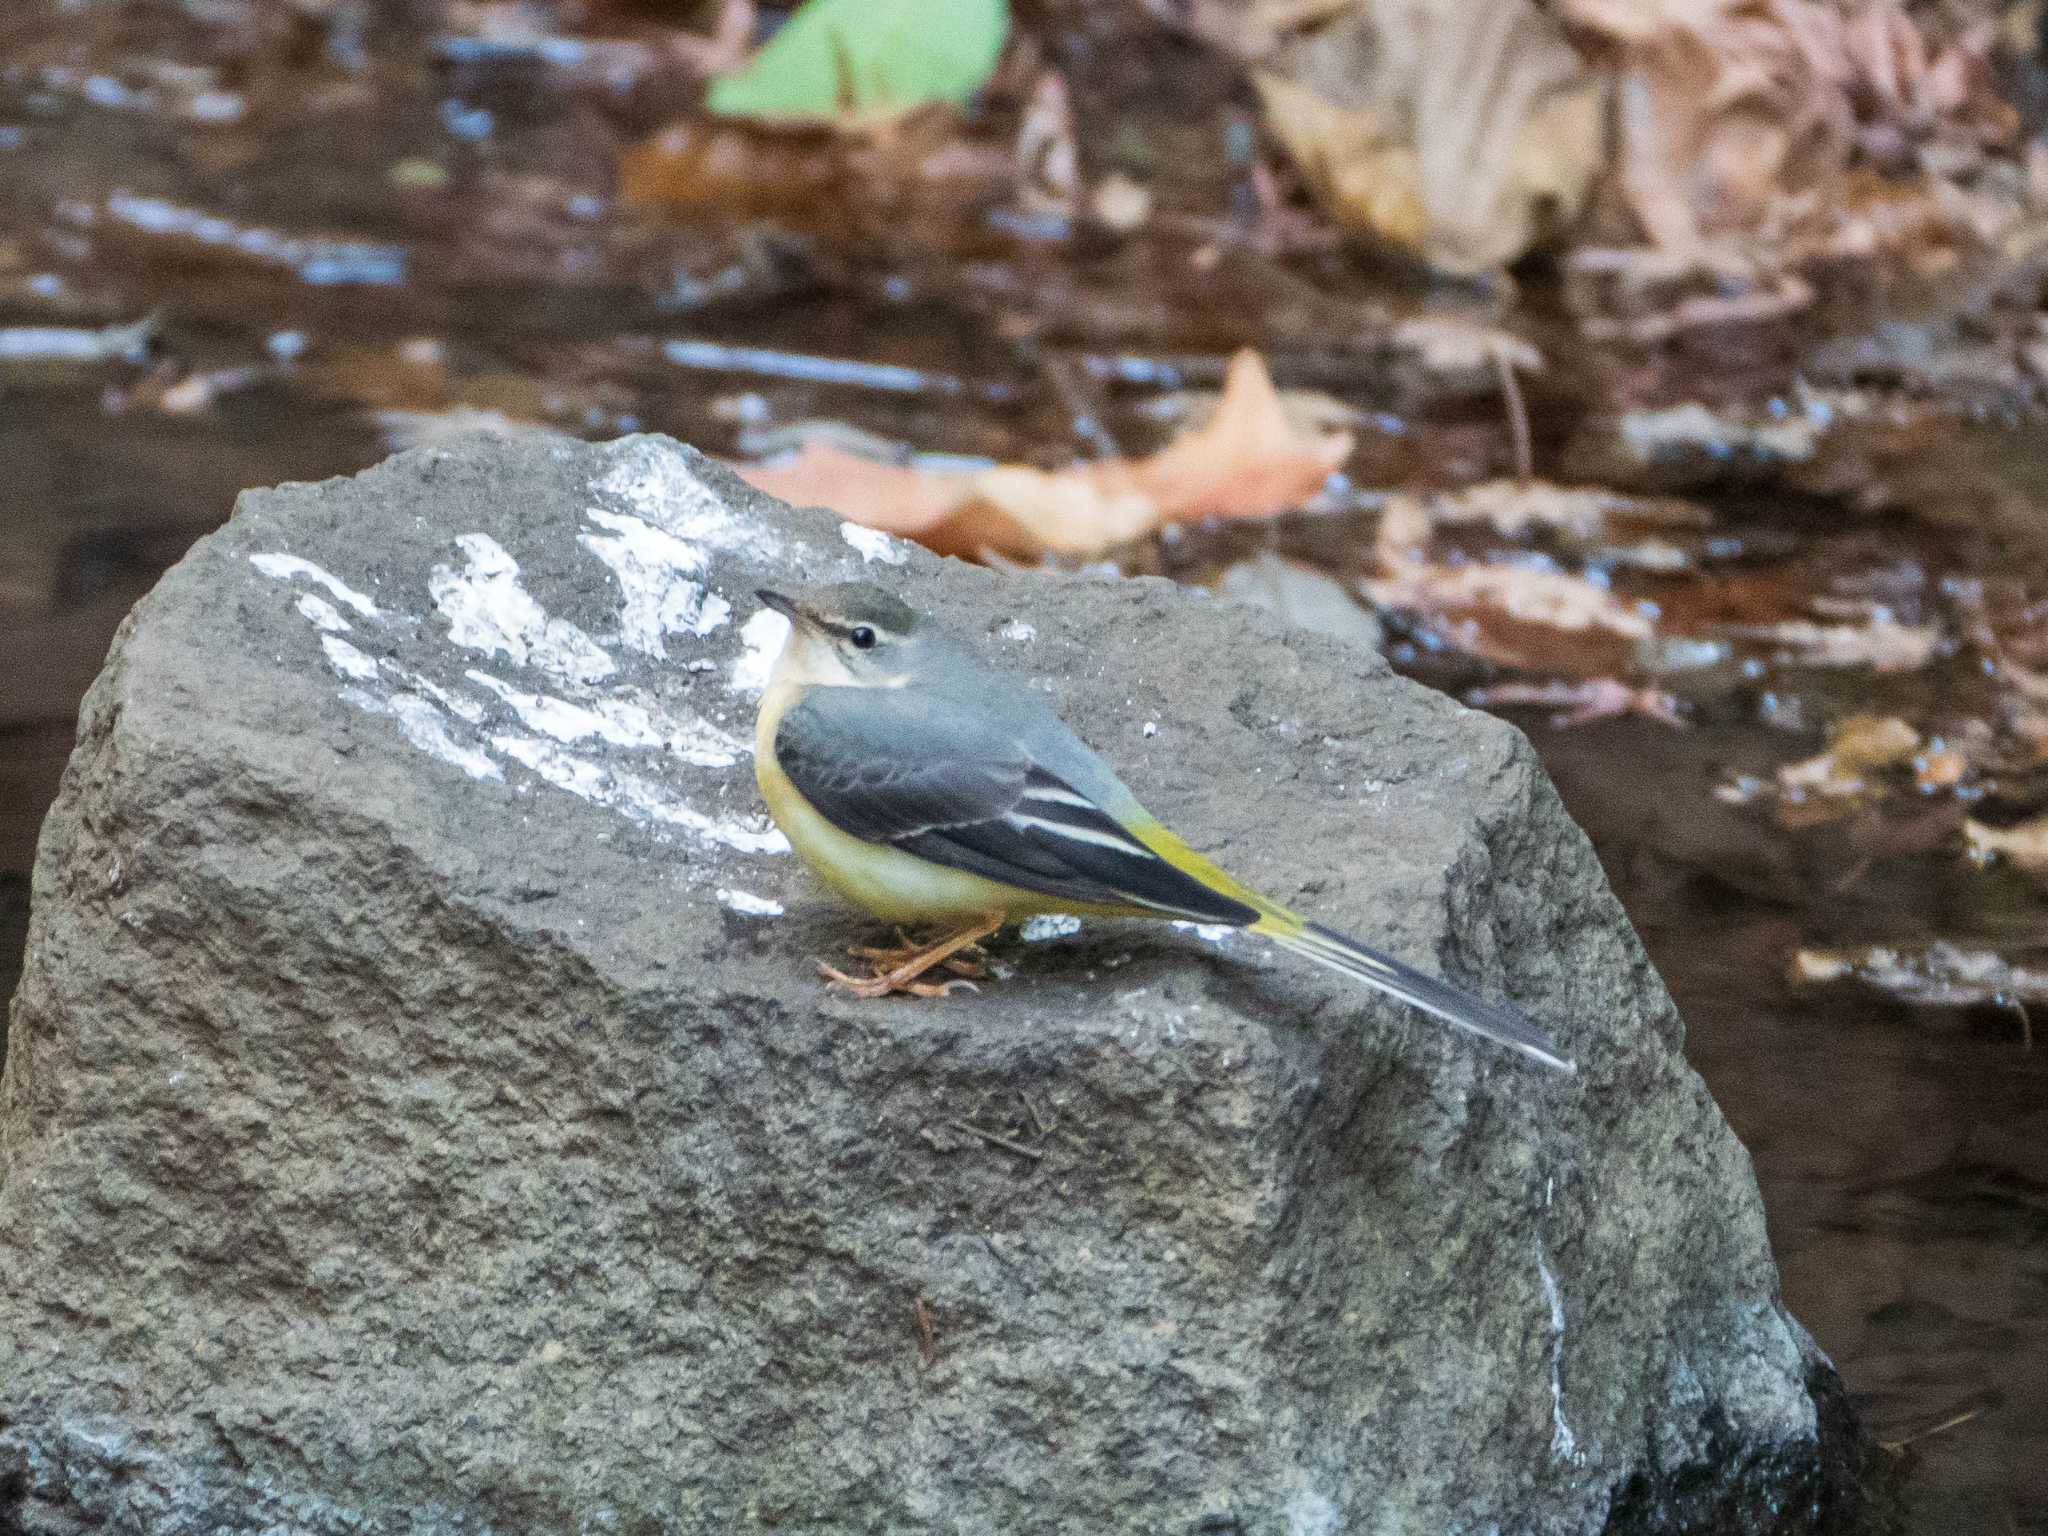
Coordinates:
[421,1112]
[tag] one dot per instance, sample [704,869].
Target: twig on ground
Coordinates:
[995,1140]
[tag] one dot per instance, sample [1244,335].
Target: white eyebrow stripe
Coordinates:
[1112,840]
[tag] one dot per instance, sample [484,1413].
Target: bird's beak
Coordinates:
[788,607]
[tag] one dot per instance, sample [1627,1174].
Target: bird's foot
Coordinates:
[905,967]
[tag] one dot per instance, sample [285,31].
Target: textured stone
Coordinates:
[422,1114]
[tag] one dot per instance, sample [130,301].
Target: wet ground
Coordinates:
[349,247]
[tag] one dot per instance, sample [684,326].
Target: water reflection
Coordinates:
[1902,1152]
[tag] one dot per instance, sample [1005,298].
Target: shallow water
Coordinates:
[312,272]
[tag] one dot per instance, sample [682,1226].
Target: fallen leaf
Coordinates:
[1245,462]
[1597,698]
[2024,845]
[1554,599]
[1860,745]
[1454,347]
[1883,644]
[1247,30]
[697,165]
[1724,109]
[1513,507]
[1677,435]
[837,59]
[1940,768]
[1368,180]
[1404,532]
[1248,461]
[1381,113]
[1650,294]
[1940,975]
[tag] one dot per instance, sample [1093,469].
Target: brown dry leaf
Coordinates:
[1726,109]
[1939,974]
[1884,644]
[1554,599]
[1840,782]
[1245,462]
[1649,294]
[1248,461]
[1513,507]
[1593,698]
[1861,745]
[1369,182]
[750,171]
[1380,112]
[1454,347]
[1404,532]
[914,168]
[2025,845]
[1247,30]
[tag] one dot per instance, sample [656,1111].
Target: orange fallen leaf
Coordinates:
[1245,462]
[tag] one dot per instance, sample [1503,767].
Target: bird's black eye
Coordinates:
[863,638]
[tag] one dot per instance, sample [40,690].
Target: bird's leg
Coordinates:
[913,962]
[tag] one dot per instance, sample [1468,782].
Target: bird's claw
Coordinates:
[904,966]
[882,983]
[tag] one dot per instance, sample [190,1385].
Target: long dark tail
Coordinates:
[1495,1021]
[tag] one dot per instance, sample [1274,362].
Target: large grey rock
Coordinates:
[422,1114]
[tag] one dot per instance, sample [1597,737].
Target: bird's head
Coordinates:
[852,635]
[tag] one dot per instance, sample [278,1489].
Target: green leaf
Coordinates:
[838,58]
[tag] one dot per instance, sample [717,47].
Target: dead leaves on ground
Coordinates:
[1511,610]
[1246,461]
[914,169]
[1881,643]
[1379,111]
[1940,974]
[1700,119]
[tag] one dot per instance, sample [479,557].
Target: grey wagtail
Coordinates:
[925,788]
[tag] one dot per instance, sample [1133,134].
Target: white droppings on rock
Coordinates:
[620,720]
[285,567]
[749,905]
[1564,1445]
[654,479]
[636,798]
[1057,925]
[658,592]
[872,544]
[1210,933]
[347,660]
[1018,630]
[489,611]
[762,637]
[424,725]
[322,614]
[465,709]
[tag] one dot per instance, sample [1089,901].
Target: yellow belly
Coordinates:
[892,884]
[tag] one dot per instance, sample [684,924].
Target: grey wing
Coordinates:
[940,780]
